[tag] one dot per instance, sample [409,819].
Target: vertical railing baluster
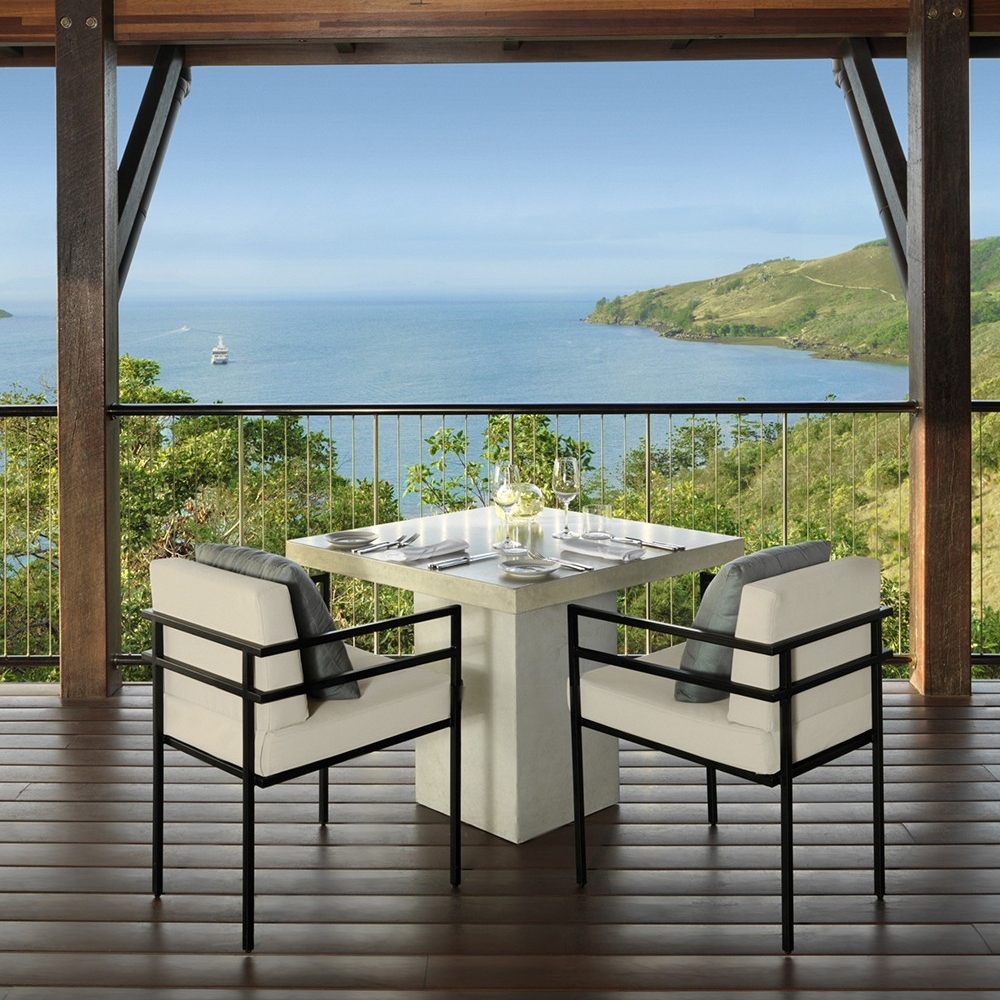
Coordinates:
[784,479]
[829,474]
[50,529]
[878,489]
[240,481]
[648,483]
[4,466]
[978,468]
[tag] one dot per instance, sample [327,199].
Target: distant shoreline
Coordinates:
[829,351]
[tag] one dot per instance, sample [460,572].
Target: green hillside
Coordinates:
[846,306]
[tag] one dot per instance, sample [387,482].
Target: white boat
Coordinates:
[220,353]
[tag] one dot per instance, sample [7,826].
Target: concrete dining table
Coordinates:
[515,719]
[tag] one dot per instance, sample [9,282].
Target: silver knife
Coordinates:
[666,546]
[378,546]
[580,567]
[461,560]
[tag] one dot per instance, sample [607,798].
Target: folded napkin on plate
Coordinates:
[603,549]
[436,550]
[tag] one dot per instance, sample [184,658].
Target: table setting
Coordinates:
[514,602]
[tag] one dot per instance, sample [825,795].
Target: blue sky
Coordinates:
[582,180]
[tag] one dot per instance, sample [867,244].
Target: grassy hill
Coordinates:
[846,306]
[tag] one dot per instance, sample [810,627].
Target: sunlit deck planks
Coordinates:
[363,909]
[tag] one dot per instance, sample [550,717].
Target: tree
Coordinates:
[455,480]
[29,531]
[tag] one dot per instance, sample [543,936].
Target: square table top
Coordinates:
[484,584]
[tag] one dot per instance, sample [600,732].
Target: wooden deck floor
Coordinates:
[363,909]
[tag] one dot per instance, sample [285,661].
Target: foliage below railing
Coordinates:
[193,473]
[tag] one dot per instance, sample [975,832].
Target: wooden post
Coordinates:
[940,353]
[87,222]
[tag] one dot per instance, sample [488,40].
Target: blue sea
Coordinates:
[449,352]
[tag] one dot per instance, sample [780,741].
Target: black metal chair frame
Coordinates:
[782,696]
[252,696]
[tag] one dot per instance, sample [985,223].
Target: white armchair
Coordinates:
[805,688]
[229,689]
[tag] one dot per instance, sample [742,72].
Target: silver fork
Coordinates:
[379,546]
[565,563]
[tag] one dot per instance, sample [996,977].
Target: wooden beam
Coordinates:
[169,83]
[27,22]
[87,379]
[879,142]
[240,20]
[161,22]
[404,51]
[940,353]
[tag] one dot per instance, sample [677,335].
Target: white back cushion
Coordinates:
[257,611]
[797,602]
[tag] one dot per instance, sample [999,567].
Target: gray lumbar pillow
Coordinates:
[312,616]
[720,607]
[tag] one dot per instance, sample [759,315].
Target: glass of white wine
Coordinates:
[506,493]
[565,485]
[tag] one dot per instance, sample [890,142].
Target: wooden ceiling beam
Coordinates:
[413,52]
[156,22]
[519,50]
[237,20]
[290,32]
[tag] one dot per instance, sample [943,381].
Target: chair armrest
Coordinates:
[256,650]
[577,611]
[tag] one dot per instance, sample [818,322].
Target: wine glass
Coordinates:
[506,493]
[565,485]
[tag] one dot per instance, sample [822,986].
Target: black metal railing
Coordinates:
[771,472]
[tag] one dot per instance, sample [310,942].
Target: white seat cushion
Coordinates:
[390,704]
[644,705]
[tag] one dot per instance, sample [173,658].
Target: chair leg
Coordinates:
[878,821]
[712,794]
[455,804]
[248,860]
[576,745]
[157,817]
[324,796]
[158,762]
[579,821]
[878,774]
[787,889]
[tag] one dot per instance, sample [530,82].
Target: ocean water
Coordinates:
[424,352]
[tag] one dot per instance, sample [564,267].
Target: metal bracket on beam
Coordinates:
[854,72]
[169,83]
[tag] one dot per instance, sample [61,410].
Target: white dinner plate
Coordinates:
[350,539]
[528,569]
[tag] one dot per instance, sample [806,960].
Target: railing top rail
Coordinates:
[446,409]
[29,410]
